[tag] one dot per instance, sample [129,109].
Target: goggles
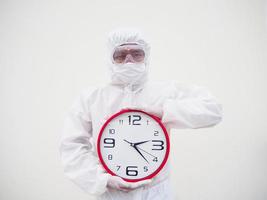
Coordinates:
[128,53]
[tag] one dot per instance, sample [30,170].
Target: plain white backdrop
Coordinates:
[51,50]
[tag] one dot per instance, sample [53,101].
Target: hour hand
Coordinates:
[137,143]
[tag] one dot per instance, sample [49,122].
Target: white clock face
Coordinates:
[133,145]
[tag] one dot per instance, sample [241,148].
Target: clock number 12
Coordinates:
[134,119]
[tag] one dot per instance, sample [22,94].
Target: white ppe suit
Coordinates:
[178,106]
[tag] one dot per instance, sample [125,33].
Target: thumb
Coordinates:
[123,183]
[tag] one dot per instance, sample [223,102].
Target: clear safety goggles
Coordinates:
[128,53]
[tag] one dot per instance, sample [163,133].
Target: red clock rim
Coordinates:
[161,125]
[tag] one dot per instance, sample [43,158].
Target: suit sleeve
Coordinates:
[191,107]
[80,162]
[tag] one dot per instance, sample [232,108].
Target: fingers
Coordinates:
[140,183]
[125,189]
[122,185]
[127,186]
[154,110]
[131,108]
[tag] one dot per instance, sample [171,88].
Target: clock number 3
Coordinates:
[134,119]
[159,144]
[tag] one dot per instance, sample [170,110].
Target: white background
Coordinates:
[51,50]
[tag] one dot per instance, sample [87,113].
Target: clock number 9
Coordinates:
[110,143]
[130,171]
[134,119]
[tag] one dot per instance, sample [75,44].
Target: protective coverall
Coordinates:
[179,107]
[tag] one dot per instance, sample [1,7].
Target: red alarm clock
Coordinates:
[133,145]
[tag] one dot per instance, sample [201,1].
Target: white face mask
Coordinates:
[129,73]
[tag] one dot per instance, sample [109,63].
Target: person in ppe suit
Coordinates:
[178,106]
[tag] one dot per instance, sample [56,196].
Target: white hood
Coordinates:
[129,73]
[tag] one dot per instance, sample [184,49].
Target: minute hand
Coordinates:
[140,153]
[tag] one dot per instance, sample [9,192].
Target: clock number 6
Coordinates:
[159,145]
[130,171]
[134,119]
[110,143]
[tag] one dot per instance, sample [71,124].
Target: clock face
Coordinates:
[133,145]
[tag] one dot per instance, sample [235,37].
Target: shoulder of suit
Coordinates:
[90,92]
[174,85]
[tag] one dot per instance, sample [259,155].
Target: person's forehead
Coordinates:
[128,44]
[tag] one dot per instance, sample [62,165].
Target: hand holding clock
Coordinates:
[117,183]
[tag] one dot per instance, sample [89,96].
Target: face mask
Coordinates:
[129,73]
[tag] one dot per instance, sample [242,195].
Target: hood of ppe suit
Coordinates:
[128,73]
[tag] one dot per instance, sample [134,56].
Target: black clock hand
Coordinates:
[133,145]
[140,153]
[137,143]
[145,151]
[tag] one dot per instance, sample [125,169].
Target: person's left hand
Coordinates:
[153,110]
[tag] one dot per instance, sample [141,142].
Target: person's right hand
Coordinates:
[118,183]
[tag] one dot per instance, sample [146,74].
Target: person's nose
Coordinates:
[129,58]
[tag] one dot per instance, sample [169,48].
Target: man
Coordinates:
[178,107]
